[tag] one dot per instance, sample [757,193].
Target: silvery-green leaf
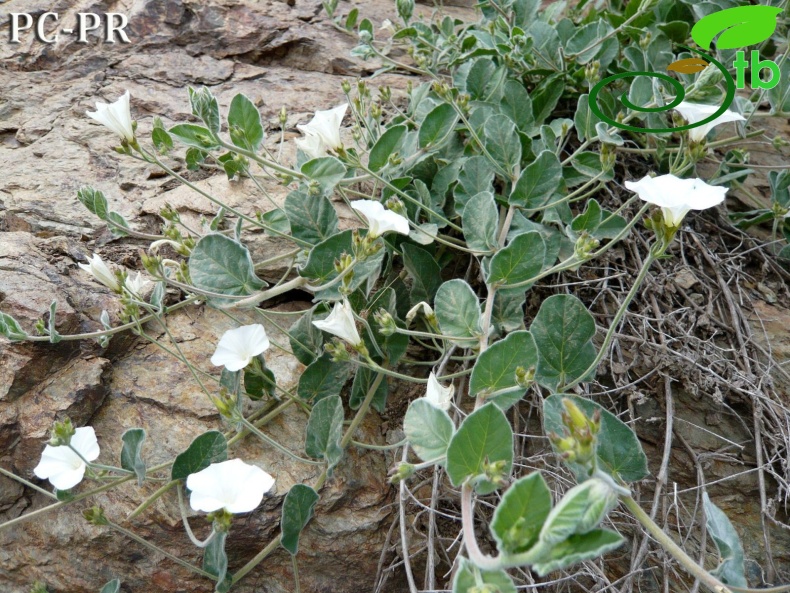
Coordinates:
[468,578]
[619,451]
[480,220]
[563,329]
[458,310]
[325,430]
[731,569]
[495,368]
[577,548]
[297,511]
[245,119]
[10,328]
[312,218]
[523,259]
[219,264]
[210,447]
[428,429]
[131,458]
[322,378]
[484,437]
[520,514]
[538,182]
[327,171]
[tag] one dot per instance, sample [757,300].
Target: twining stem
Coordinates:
[156,549]
[347,437]
[483,561]
[654,253]
[670,546]
[183,508]
[267,439]
[151,499]
[23,481]
[115,330]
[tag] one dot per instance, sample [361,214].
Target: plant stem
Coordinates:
[482,561]
[266,439]
[651,257]
[151,499]
[143,542]
[670,546]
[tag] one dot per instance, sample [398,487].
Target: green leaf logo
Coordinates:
[739,27]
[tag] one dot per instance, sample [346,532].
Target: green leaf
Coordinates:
[131,458]
[245,118]
[731,569]
[221,265]
[517,105]
[94,201]
[363,381]
[10,328]
[322,378]
[580,510]
[428,429]
[585,120]
[424,271]
[480,220]
[437,125]
[210,447]
[305,338]
[111,587]
[619,451]
[502,142]
[458,310]
[325,430]
[546,96]
[326,170]
[590,220]
[54,336]
[163,142]
[276,220]
[195,157]
[520,515]
[522,260]
[215,561]
[495,369]
[739,27]
[297,511]
[204,106]
[195,136]
[476,175]
[577,548]
[257,385]
[468,579]
[320,266]
[563,329]
[312,218]
[538,182]
[386,145]
[484,437]
[118,222]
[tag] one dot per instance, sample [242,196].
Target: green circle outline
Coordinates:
[728,99]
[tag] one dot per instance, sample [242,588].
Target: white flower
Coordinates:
[439,396]
[323,131]
[231,485]
[426,311]
[677,196]
[694,112]
[136,284]
[311,145]
[237,346]
[381,220]
[341,323]
[115,116]
[386,25]
[99,270]
[63,467]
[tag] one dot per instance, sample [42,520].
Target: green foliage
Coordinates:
[731,566]
[210,447]
[220,265]
[481,450]
[521,514]
[325,429]
[131,458]
[298,507]
[496,370]
[428,430]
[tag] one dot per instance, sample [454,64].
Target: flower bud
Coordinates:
[61,433]
[644,41]
[362,88]
[221,520]
[405,9]
[225,403]
[337,350]
[403,471]
[95,516]
[586,244]
[283,115]
[375,110]
[386,322]
[385,93]
[495,472]
[396,205]
[525,377]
